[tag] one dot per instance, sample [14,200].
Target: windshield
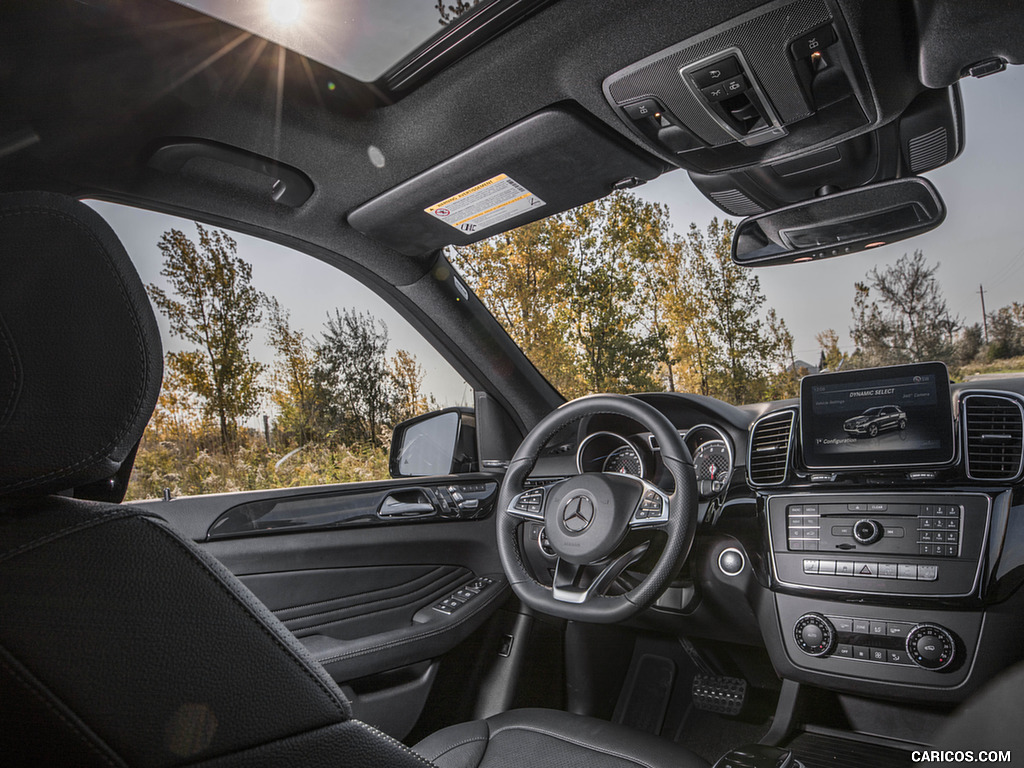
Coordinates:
[636,292]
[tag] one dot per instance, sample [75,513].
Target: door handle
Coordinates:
[392,507]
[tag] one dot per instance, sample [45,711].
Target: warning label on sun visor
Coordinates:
[488,203]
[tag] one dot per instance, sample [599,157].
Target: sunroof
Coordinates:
[360,38]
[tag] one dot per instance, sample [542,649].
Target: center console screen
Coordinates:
[877,417]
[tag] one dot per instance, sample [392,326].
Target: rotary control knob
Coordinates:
[814,634]
[930,646]
[867,531]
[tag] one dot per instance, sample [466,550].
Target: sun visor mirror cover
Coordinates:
[552,161]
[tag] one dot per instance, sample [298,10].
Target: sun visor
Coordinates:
[547,163]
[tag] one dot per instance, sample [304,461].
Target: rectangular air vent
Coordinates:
[736,203]
[994,436]
[929,150]
[770,440]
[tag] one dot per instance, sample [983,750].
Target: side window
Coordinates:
[279,370]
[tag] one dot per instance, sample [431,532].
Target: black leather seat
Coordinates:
[542,737]
[122,644]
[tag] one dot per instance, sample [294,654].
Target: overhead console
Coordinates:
[769,83]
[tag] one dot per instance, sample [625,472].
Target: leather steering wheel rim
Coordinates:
[679,528]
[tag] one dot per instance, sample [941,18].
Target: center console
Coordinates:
[887,544]
[878,532]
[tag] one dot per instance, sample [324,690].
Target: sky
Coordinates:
[307,287]
[981,243]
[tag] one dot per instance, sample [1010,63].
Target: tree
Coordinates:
[573,291]
[726,343]
[1006,331]
[294,391]
[832,357]
[352,367]
[410,398]
[450,13]
[214,307]
[909,320]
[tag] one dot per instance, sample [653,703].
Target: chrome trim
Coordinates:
[789,445]
[777,129]
[743,562]
[977,573]
[650,439]
[625,440]
[962,397]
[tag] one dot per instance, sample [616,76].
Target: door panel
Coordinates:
[349,603]
[360,590]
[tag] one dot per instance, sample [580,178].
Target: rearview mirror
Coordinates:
[438,443]
[838,224]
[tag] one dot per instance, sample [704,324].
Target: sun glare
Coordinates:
[284,12]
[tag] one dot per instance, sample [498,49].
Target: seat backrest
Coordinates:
[120,642]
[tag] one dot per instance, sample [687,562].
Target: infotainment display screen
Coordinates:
[877,417]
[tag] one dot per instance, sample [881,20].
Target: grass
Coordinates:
[1003,365]
[189,469]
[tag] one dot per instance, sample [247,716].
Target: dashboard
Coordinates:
[869,534]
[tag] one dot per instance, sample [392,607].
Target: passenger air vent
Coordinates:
[994,433]
[929,150]
[770,440]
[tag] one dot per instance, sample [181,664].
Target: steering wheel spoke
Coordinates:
[653,509]
[567,585]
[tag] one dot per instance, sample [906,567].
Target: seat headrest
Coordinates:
[80,354]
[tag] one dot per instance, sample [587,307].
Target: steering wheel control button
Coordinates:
[530,502]
[814,634]
[867,531]
[930,646]
[652,508]
[731,561]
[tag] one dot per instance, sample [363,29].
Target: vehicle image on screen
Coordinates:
[875,420]
[404,385]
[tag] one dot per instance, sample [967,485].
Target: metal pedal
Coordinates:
[719,694]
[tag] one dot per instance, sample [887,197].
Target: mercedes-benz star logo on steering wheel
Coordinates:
[578,514]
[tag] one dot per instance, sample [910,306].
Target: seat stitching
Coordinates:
[47,701]
[578,743]
[395,742]
[417,638]
[12,396]
[456,746]
[50,537]
[142,347]
[252,615]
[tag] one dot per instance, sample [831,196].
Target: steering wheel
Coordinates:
[587,516]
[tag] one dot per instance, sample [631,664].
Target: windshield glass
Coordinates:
[636,292]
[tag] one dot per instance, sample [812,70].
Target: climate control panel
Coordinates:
[928,646]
